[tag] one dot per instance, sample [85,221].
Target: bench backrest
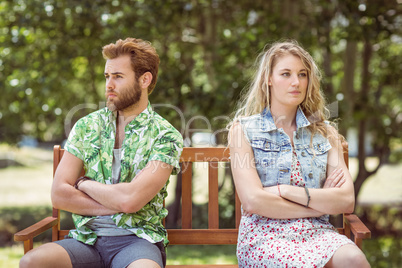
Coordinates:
[187,235]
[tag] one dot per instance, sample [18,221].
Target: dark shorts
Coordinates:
[113,251]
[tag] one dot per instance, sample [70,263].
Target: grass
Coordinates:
[10,256]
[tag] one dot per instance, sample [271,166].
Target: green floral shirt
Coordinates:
[148,137]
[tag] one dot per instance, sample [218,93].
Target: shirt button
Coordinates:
[303,153]
[310,175]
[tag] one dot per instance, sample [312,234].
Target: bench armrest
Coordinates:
[357,227]
[27,235]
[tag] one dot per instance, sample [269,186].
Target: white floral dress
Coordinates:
[303,242]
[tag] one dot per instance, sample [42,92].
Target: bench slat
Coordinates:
[202,236]
[192,154]
[213,204]
[186,193]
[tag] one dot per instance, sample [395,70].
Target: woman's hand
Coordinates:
[335,179]
[273,190]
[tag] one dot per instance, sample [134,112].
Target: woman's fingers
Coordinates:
[335,179]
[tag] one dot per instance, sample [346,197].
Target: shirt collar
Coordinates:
[140,119]
[267,123]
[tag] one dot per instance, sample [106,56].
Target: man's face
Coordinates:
[122,89]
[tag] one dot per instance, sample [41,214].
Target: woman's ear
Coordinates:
[145,80]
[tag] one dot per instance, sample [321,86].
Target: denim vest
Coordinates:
[273,150]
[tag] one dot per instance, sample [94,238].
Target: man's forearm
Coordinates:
[70,199]
[106,196]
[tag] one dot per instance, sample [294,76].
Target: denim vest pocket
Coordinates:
[266,154]
[319,157]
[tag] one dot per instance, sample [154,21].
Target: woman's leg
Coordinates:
[348,256]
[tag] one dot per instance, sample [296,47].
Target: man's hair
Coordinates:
[142,54]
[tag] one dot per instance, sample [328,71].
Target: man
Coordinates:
[128,153]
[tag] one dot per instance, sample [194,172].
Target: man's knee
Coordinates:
[47,255]
[144,263]
[32,259]
[26,261]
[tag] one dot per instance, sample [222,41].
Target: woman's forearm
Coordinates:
[328,200]
[271,205]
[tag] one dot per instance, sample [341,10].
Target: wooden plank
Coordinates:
[346,153]
[186,196]
[63,233]
[56,157]
[28,245]
[213,204]
[191,154]
[357,226]
[36,229]
[237,210]
[202,236]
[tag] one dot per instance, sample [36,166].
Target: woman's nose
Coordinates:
[295,81]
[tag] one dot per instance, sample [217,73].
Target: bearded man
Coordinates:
[128,153]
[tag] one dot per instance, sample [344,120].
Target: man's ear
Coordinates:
[145,80]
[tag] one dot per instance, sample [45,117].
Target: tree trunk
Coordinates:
[364,111]
[349,78]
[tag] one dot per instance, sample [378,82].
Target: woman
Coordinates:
[288,168]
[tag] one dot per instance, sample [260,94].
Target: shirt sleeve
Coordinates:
[168,148]
[75,144]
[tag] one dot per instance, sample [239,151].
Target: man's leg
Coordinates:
[132,251]
[64,253]
[348,256]
[144,263]
[47,255]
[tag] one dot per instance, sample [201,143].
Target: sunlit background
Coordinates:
[51,74]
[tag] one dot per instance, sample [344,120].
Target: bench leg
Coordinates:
[28,245]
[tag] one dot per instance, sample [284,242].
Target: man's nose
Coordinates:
[109,84]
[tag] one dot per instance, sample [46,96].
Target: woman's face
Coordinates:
[288,82]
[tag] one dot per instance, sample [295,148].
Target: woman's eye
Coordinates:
[286,74]
[303,75]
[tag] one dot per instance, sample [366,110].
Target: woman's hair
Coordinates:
[143,57]
[258,97]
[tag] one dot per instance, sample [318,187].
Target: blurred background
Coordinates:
[51,74]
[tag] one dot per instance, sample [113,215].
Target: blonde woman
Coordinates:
[288,168]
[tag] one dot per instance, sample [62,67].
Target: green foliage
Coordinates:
[50,55]
[384,252]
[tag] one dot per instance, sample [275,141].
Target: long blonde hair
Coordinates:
[257,95]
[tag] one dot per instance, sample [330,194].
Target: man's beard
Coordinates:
[128,97]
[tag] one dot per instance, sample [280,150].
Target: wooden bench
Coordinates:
[213,235]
